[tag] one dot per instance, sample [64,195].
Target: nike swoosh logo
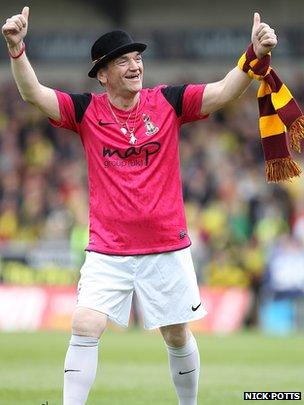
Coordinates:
[101,123]
[195,308]
[66,371]
[186,372]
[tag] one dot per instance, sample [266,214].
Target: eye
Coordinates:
[121,62]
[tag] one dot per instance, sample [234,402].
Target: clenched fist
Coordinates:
[15,28]
[263,37]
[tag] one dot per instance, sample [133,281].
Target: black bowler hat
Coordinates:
[110,46]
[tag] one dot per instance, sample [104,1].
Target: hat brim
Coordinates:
[136,46]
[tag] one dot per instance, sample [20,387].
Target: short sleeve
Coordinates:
[72,109]
[67,112]
[192,103]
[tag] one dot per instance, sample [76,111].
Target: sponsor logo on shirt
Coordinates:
[142,153]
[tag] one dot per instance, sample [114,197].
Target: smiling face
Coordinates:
[123,75]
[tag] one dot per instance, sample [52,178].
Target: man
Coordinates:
[138,237]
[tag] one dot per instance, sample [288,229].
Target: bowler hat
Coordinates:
[110,46]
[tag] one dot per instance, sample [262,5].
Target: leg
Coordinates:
[82,355]
[184,361]
[106,283]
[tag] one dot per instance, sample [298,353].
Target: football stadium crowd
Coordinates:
[235,217]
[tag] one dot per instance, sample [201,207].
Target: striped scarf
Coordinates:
[278,111]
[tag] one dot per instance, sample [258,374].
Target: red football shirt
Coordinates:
[135,190]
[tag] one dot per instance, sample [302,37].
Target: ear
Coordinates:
[102,76]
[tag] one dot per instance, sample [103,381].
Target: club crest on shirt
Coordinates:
[151,129]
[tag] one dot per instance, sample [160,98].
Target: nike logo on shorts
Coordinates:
[186,372]
[195,308]
[66,371]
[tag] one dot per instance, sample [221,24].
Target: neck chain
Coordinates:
[124,126]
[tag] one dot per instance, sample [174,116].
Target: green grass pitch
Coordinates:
[133,368]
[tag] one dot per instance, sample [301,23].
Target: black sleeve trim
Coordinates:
[174,95]
[81,103]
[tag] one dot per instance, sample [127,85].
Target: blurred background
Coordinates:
[248,236]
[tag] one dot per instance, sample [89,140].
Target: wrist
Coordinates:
[251,52]
[250,64]
[257,54]
[17,50]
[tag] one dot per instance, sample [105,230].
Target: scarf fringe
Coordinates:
[296,133]
[282,169]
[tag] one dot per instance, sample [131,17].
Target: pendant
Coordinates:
[124,130]
[133,139]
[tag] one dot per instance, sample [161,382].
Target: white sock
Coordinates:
[185,368]
[79,369]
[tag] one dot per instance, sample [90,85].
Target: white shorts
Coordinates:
[165,285]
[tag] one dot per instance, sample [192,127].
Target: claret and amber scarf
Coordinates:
[278,111]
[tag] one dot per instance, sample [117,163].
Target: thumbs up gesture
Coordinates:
[263,37]
[15,28]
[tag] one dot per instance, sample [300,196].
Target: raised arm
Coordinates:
[14,32]
[218,94]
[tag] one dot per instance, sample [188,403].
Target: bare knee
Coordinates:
[176,335]
[88,322]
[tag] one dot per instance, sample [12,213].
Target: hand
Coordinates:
[263,37]
[15,29]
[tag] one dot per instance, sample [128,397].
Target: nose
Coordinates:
[133,64]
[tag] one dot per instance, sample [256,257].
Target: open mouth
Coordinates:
[133,77]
